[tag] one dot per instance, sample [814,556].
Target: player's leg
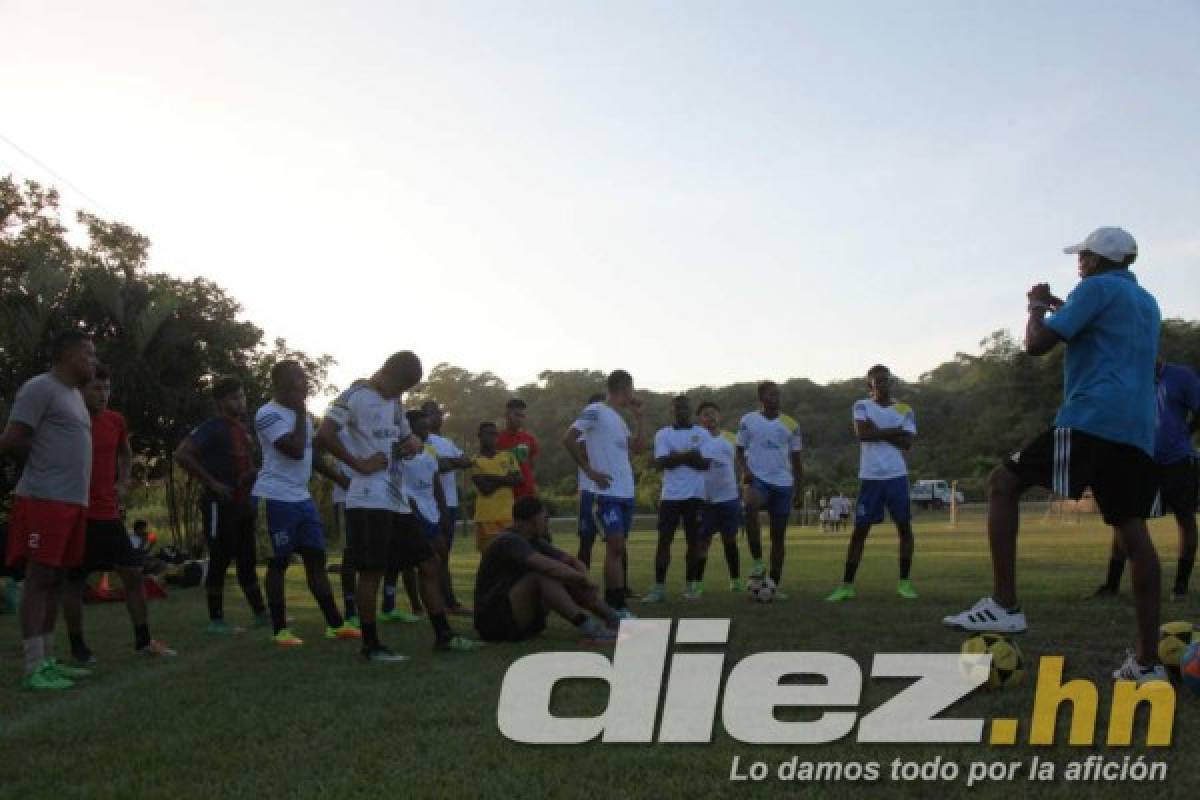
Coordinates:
[317,577]
[697,547]
[444,548]
[899,507]
[1147,580]
[726,519]
[369,533]
[219,558]
[754,502]
[586,527]
[348,575]
[1003,522]
[412,589]
[669,514]
[869,512]
[615,522]
[1187,553]
[1179,488]
[413,550]
[239,540]
[778,511]
[282,523]
[74,584]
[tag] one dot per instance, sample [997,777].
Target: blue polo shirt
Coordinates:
[1110,325]
[1178,396]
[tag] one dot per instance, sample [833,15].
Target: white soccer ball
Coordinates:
[761,590]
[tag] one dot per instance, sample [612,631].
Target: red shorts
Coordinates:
[49,532]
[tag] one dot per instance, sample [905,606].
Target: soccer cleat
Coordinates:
[656,595]
[841,594]
[46,677]
[1131,670]
[737,585]
[987,616]
[456,643]
[594,632]
[354,622]
[397,615]
[82,655]
[286,638]
[67,671]
[624,613]
[157,648]
[219,627]
[382,655]
[343,632]
[905,589]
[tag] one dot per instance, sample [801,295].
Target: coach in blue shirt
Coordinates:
[1102,439]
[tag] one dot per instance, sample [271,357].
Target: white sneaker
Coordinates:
[1131,670]
[987,616]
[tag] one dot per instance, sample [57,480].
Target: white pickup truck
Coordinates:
[933,494]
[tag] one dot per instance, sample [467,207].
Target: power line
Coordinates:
[56,175]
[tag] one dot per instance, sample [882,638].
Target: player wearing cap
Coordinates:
[885,429]
[1103,435]
[677,454]
[768,454]
[1178,396]
[606,463]
[722,509]
[49,426]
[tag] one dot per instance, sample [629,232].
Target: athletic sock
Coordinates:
[849,572]
[441,626]
[389,598]
[370,636]
[348,604]
[579,620]
[141,636]
[1183,573]
[278,616]
[615,598]
[333,617]
[34,654]
[732,558]
[660,574]
[698,572]
[905,568]
[1116,568]
[216,606]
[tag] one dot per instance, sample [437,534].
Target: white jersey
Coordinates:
[420,472]
[769,444]
[607,448]
[881,461]
[840,504]
[720,479]
[681,483]
[281,478]
[447,449]
[373,424]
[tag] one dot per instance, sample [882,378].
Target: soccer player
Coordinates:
[586,525]
[677,454]
[285,435]
[768,454]
[522,577]
[606,463]
[219,454]
[1103,437]
[450,460]
[722,509]
[1178,418]
[106,542]
[495,475]
[49,426]
[841,506]
[521,443]
[885,429]
[381,529]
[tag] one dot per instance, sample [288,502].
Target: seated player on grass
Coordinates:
[522,577]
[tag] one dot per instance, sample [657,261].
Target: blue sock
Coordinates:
[389,598]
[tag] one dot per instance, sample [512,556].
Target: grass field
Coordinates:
[237,718]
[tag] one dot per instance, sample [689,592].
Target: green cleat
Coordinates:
[737,585]
[354,622]
[286,639]
[905,589]
[343,632]
[694,591]
[45,677]
[397,615]
[758,570]
[841,594]
[67,671]
[459,644]
[219,627]
[657,594]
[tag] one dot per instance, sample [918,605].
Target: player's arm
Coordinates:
[553,568]
[124,466]
[797,466]
[452,463]
[573,443]
[739,465]
[439,497]
[187,457]
[1039,337]
[16,440]
[330,442]
[324,467]
[294,443]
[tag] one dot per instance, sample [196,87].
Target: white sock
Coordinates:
[34,654]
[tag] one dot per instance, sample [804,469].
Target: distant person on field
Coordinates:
[722,505]
[885,429]
[450,461]
[521,443]
[495,475]
[1102,439]
[587,526]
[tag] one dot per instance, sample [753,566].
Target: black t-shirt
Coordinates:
[224,449]
[503,563]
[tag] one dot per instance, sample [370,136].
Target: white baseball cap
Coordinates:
[1115,244]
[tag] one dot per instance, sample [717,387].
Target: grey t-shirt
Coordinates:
[59,466]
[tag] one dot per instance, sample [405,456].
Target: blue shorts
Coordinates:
[723,518]
[587,515]
[616,515]
[429,530]
[874,496]
[778,499]
[294,526]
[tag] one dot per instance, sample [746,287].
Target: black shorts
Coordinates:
[229,531]
[16,573]
[689,512]
[495,622]
[1179,485]
[378,540]
[1122,477]
[106,546]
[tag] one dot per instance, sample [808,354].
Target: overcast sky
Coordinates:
[697,192]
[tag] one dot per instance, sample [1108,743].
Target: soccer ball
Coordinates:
[1173,639]
[1008,665]
[1189,667]
[761,590]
